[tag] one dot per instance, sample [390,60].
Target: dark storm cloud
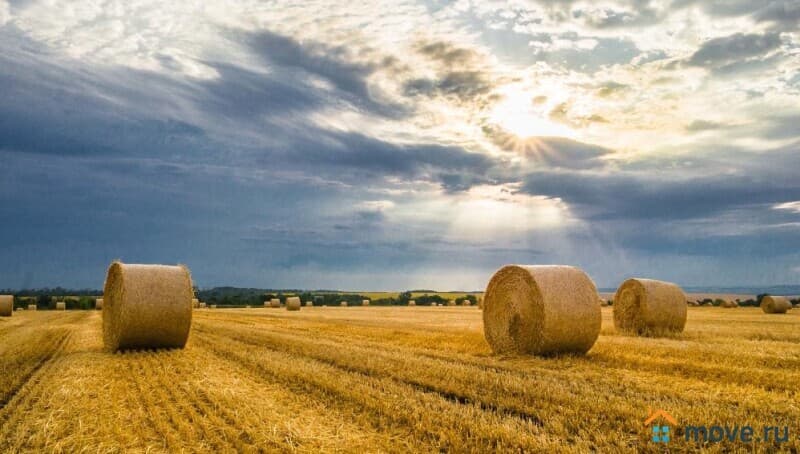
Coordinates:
[634,195]
[720,52]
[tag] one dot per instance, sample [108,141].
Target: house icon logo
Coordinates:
[660,421]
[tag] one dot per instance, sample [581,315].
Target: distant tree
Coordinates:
[760,297]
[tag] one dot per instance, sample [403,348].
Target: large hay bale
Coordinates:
[343,304]
[98,303]
[775,304]
[149,306]
[293,303]
[6,305]
[541,310]
[649,307]
[32,307]
[412,303]
[729,304]
[61,306]
[275,302]
[365,302]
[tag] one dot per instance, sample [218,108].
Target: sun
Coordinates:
[518,115]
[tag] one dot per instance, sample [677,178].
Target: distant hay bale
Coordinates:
[20,309]
[213,306]
[293,303]
[775,304]
[275,302]
[365,302]
[451,302]
[31,307]
[149,306]
[61,306]
[412,303]
[729,304]
[98,303]
[202,305]
[195,303]
[541,310]
[309,303]
[343,304]
[649,307]
[466,302]
[6,305]
[693,303]
[603,302]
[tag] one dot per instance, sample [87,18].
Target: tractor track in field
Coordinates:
[24,394]
[336,396]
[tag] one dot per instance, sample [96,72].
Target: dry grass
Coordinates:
[377,379]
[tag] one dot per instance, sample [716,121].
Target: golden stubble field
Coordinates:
[378,379]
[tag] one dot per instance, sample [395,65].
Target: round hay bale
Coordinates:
[149,306]
[649,307]
[203,305]
[6,305]
[32,307]
[293,303]
[797,305]
[213,306]
[98,303]
[775,304]
[466,302]
[195,303]
[365,302]
[729,304]
[451,302]
[61,306]
[309,303]
[343,304]
[412,303]
[20,309]
[541,310]
[603,303]
[275,302]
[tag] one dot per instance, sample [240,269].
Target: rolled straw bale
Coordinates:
[466,302]
[649,307]
[775,304]
[365,302]
[275,302]
[309,303]
[293,303]
[603,302]
[343,304]
[149,306]
[729,304]
[213,306]
[797,305]
[451,302]
[61,306]
[202,305]
[20,308]
[412,303]
[98,303]
[541,310]
[31,307]
[6,305]
[195,302]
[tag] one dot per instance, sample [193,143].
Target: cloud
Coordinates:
[703,125]
[721,52]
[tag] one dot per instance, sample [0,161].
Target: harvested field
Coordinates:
[374,379]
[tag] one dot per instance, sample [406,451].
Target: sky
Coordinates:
[394,145]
